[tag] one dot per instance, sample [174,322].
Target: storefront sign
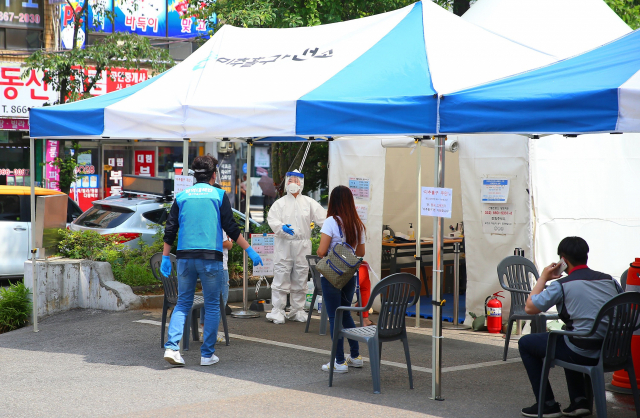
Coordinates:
[147,17]
[14,124]
[145,164]
[227,176]
[115,79]
[21,93]
[52,174]
[97,21]
[180,26]
[498,219]
[85,196]
[22,14]
[113,176]
[495,190]
[436,201]
[15,172]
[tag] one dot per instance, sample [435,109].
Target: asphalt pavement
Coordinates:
[89,363]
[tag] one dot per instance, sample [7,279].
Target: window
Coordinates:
[9,208]
[23,39]
[157,216]
[104,216]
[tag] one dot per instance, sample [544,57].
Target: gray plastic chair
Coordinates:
[395,293]
[170,286]
[514,273]
[317,291]
[623,313]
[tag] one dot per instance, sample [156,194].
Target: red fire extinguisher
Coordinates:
[494,313]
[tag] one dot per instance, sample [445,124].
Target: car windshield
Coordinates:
[104,216]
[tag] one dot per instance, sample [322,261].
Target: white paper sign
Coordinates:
[84,159]
[495,190]
[362,212]
[436,201]
[262,157]
[181,183]
[498,219]
[264,245]
[360,187]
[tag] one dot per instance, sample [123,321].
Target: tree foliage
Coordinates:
[287,156]
[288,13]
[628,10]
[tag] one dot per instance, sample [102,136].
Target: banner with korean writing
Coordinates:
[144,163]
[228,176]
[147,17]
[22,14]
[115,79]
[113,171]
[180,26]
[52,174]
[21,90]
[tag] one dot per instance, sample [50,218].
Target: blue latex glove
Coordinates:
[253,255]
[287,229]
[165,267]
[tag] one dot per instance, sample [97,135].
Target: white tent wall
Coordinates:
[585,187]
[400,206]
[357,158]
[481,157]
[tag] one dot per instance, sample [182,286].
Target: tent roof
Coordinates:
[375,75]
[598,91]
[561,28]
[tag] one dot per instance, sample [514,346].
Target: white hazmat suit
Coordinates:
[290,264]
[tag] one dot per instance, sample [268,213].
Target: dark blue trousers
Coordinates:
[533,348]
[332,298]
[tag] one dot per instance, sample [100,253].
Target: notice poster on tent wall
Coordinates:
[362,212]
[181,183]
[498,219]
[264,245]
[436,201]
[360,187]
[495,190]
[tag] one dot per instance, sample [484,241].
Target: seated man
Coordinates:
[578,298]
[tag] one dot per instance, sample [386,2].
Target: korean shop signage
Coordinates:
[21,89]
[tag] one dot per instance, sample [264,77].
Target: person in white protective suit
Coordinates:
[290,219]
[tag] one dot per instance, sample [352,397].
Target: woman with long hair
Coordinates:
[342,225]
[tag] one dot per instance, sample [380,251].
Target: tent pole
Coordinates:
[185,156]
[245,312]
[438,232]
[418,255]
[34,279]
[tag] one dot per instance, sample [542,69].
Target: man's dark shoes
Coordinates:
[548,412]
[577,409]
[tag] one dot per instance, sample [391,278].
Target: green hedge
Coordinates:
[15,306]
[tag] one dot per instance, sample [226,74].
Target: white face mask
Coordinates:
[293,188]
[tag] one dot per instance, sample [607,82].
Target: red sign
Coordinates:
[145,164]
[14,124]
[85,197]
[115,79]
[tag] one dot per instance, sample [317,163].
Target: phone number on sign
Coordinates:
[15,109]
[16,172]
[22,17]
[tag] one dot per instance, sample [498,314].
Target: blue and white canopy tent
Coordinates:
[598,91]
[381,75]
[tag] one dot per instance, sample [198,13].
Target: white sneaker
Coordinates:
[354,362]
[173,357]
[337,368]
[204,361]
[221,338]
[298,316]
[276,316]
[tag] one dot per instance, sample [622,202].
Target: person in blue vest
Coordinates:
[198,216]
